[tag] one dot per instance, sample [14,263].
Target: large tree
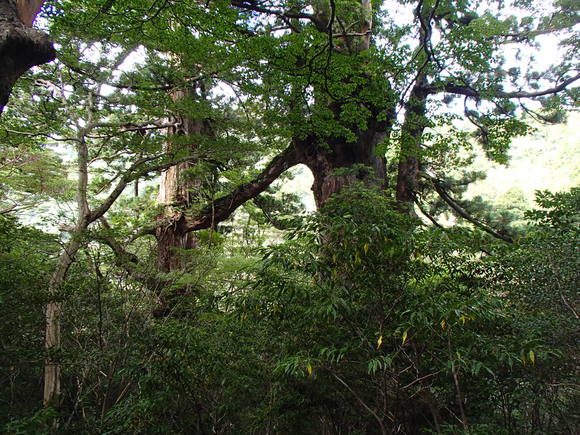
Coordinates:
[356,91]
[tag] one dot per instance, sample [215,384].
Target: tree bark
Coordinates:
[411,134]
[221,208]
[176,190]
[358,161]
[28,10]
[21,47]
[52,329]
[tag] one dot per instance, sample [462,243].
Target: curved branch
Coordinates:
[362,403]
[127,260]
[124,257]
[8,209]
[132,174]
[474,93]
[463,213]
[427,215]
[554,90]
[221,209]
[250,5]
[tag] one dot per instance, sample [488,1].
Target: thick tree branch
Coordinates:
[8,209]
[427,215]
[124,257]
[250,5]
[127,260]
[223,207]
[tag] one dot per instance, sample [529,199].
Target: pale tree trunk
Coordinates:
[52,328]
[21,47]
[85,217]
[53,309]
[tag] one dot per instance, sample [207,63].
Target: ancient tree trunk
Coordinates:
[412,132]
[177,191]
[342,163]
[28,9]
[21,47]
[170,242]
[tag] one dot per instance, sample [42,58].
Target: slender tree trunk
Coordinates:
[52,329]
[21,47]
[53,308]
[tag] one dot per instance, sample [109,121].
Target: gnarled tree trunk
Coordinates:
[21,47]
[176,192]
[358,161]
[339,162]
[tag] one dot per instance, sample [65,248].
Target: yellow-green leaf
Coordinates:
[309,369]
[366,247]
[532,356]
[404,337]
[443,324]
[379,341]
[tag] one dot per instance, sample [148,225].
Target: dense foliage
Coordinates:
[358,322]
[206,300]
